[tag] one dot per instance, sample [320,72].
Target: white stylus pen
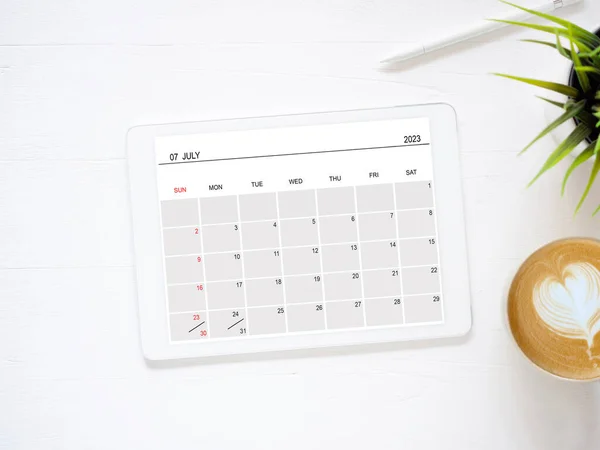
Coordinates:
[474,30]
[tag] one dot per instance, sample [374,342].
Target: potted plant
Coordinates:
[581,105]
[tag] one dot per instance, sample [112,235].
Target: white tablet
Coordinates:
[298,231]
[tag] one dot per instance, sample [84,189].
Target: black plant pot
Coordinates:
[574,82]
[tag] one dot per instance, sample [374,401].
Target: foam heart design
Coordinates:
[571,307]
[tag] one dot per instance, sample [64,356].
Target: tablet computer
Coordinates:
[287,232]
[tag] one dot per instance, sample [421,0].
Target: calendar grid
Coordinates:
[354,235]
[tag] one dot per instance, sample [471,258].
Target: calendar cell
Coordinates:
[269,320]
[228,323]
[384,311]
[301,260]
[417,252]
[336,201]
[377,226]
[304,289]
[262,263]
[381,283]
[178,213]
[340,257]
[342,286]
[187,297]
[308,317]
[338,229]
[420,280]
[348,314]
[182,241]
[188,326]
[379,255]
[375,198]
[183,269]
[258,207]
[221,238]
[225,294]
[299,232]
[297,204]
[263,292]
[215,210]
[416,223]
[223,266]
[414,194]
[260,235]
[423,308]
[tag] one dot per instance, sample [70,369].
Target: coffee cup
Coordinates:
[552,309]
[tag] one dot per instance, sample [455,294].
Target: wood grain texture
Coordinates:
[75,76]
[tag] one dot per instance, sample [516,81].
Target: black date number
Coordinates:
[413,139]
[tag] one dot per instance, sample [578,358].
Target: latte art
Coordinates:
[570,306]
[554,308]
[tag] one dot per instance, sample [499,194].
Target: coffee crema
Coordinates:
[554,308]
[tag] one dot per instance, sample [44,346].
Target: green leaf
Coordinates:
[568,114]
[584,80]
[584,46]
[558,47]
[592,54]
[561,49]
[573,140]
[588,69]
[593,175]
[556,87]
[581,158]
[552,102]
[597,147]
[596,212]
[581,33]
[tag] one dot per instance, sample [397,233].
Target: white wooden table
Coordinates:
[74,76]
